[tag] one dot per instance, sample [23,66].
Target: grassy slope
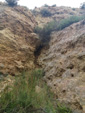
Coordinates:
[24,98]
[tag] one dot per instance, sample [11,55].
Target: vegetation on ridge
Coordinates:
[30,95]
[45,13]
[12,2]
[44,33]
[82,6]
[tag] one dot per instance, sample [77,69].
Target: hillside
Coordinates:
[64,64]
[54,13]
[17,39]
[62,59]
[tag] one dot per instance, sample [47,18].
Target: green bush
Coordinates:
[68,21]
[45,13]
[73,9]
[12,2]
[82,6]
[54,5]
[44,33]
[46,5]
[23,98]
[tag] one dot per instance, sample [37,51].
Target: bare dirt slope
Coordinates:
[63,61]
[64,65]
[17,40]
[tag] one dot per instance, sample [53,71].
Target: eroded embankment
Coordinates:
[17,39]
[64,65]
[63,60]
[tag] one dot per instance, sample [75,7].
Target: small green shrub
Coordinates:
[12,2]
[73,9]
[46,5]
[44,33]
[38,29]
[54,5]
[63,109]
[68,21]
[82,6]
[45,13]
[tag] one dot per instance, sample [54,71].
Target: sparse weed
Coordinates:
[44,33]
[23,98]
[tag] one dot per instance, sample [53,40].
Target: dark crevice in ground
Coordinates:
[38,52]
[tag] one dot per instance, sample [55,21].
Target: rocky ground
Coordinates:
[64,65]
[17,40]
[63,61]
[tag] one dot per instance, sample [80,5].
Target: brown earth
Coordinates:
[64,65]
[63,61]
[17,40]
